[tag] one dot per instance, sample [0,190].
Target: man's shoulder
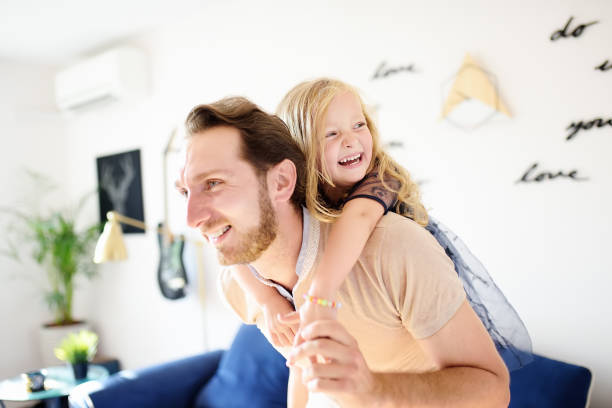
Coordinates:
[392,219]
[397,239]
[391,234]
[400,230]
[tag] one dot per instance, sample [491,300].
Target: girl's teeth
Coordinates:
[350,159]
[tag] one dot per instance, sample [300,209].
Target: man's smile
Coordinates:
[218,235]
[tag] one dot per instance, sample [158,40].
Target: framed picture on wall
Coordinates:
[120,187]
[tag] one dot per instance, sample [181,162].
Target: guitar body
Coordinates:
[171,274]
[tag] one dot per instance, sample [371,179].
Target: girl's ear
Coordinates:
[281,180]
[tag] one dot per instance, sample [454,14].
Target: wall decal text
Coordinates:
[605,66]
[576,127]
[565,31]
[384,71]
[531,175]
[394,144]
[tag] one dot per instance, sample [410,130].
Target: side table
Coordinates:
[59,381]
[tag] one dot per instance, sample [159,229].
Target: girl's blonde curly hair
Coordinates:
[303,109]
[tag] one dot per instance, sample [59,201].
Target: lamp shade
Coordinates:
[110,246]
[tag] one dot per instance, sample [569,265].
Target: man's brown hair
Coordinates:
[266,140]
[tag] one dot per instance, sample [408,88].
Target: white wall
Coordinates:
[543,243]
[32,138]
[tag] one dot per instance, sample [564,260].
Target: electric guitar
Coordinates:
[171,274]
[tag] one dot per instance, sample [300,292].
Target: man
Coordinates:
[405,335]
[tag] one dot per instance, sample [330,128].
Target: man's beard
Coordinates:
[256,240]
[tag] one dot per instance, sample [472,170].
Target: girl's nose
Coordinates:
[349,140]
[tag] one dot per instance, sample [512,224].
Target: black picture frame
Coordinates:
[120,187]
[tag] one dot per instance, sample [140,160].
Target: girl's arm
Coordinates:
[366,203]
[271,302]
[347,239]
[250,284]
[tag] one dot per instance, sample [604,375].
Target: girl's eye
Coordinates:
[331,134]
[359,125]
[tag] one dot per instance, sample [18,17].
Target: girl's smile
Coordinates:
[348,143]
[351,160]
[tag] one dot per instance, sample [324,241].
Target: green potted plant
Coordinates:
[64,251]
[78,349]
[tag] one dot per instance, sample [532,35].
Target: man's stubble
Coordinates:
[257,239]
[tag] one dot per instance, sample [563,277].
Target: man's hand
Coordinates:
[470,373]
[342,372]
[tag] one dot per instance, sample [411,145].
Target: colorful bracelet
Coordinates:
[322,302]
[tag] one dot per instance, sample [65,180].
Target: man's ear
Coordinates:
[281,180]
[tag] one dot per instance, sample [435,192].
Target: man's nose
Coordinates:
[198,211]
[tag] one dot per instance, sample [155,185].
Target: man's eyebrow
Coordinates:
[203,176]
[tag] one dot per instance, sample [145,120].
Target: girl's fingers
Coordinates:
[290,335]
[287,331]
[298,339]
[275,340]
[291,318]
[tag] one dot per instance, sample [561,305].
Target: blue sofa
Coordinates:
[252,374]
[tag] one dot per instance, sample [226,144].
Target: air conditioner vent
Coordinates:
[114,75]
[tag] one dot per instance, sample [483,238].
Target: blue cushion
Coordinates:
[548,383]
[174,384]
[251,374]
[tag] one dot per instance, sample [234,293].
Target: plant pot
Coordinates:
[80,370]
[51,336]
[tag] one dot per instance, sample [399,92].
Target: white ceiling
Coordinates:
[53,31]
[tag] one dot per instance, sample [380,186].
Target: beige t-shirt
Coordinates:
[402,288]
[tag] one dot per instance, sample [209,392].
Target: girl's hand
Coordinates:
[310,313]
[281,333]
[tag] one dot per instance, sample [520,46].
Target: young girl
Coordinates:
[352,182]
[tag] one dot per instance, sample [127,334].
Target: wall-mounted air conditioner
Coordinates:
[113,75]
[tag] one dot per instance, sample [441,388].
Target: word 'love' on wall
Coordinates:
[571,30]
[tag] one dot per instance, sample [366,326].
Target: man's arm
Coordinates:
[297,394]
[471,373]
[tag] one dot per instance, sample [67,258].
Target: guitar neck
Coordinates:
[167,150]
